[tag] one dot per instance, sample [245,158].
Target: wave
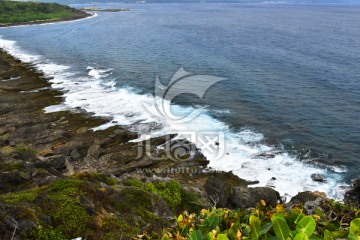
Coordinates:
[243,152]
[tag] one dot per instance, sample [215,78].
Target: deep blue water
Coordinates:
[293,71]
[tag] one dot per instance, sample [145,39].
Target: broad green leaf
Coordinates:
[355,227]
[319,213]
[195,235]
[296,215]
[165,237]
[234,231]
[255,224]
[222,237]
[265,228]
[210,236]
[328,235]
[352,236]
[211,222]
[306,225]
[301,236]
[339,234]
[280,226]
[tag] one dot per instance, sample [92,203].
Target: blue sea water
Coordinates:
[291,90]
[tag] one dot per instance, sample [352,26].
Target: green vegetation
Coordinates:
[176,197]
[25,12]
[336,221]
[82,206]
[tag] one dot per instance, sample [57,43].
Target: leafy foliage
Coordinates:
[265,222]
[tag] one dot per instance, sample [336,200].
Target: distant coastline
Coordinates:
[30,13]
[106,10]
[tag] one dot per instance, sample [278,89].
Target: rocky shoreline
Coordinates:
[58,177]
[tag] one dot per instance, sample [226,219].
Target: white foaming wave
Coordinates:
[99,73]
[239,150]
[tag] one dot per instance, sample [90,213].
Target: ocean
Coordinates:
[287,105]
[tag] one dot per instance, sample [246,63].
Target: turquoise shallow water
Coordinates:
[293,76]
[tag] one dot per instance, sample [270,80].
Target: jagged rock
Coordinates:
[7,225]
[54,172]
[306,196]
[318,177]
[94,151]
[219,187]
[57,162]
[75,155]
[266,155]
[311,206]
[243,197]
[13,177]
[353,194]
[35,172]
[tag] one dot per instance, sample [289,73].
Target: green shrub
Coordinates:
[264,222]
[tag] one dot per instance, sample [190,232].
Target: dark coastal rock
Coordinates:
[306,196]
[353,194]
[219,187]
[7,224]
[94,151]
[310,200]
[57,162]
[75,155]
[266,155]
[318,177]
[243,197]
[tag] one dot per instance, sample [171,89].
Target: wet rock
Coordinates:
[318,177]
[253,182]
[266,155]
[248,197]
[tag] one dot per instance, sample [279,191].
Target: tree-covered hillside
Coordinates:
[24,12]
